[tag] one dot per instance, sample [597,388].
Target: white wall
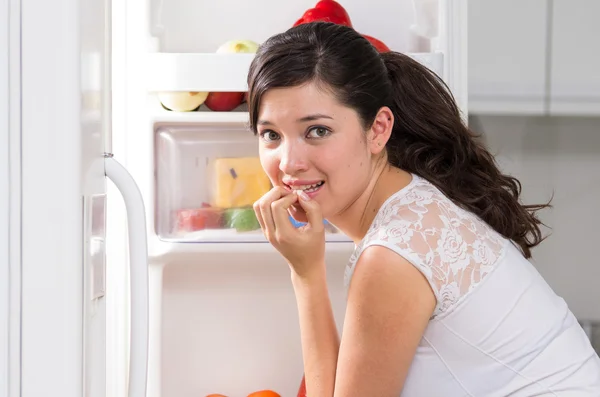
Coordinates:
[559,155]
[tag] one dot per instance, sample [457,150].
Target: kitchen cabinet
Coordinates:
[507,42]
[540,57]
[575,59]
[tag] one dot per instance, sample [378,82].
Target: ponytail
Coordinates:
[429,139]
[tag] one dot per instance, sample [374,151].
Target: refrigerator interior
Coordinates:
[223,316]
[200,26]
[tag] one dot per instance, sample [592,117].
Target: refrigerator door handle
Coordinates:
[138,262]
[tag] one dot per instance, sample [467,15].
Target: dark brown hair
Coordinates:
[429,137]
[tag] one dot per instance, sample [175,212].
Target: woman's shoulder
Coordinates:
[444,241]
[422,209]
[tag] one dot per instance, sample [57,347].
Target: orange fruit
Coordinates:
[216,395]
[264,393]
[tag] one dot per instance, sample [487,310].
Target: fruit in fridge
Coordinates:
[238,46]
[224,101]
[194,219]
[326,11]
[181,101]
[241,219]
[332,11]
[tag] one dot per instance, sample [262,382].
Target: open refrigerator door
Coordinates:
[223,315]
[55,89]
[4,205]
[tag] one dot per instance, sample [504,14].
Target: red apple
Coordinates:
[224,101]
[378,44]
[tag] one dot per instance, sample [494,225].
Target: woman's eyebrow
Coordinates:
[310,117]
[313,117]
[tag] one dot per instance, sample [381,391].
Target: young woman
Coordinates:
[442,300]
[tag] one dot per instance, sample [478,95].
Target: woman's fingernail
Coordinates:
[303,195]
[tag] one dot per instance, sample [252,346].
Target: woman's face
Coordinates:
[309,141]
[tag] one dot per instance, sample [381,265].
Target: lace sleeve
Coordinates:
[453,248]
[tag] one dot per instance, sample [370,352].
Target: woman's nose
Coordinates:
[293,159]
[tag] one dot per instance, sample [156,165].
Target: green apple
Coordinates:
[238,46]
[181,101]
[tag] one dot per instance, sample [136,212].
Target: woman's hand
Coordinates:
[303,247]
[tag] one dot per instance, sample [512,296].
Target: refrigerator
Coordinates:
[108,286]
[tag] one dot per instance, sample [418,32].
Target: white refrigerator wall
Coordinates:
[557,156]
[230,325]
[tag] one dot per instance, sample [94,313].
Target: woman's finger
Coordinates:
[265,209]
[312,209]
[256,207]
[281,217]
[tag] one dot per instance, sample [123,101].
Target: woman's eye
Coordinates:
[269,136]
[318,132]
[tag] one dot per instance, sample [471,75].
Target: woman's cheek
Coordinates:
[270,165]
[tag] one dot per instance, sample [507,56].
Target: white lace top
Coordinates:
[498,329]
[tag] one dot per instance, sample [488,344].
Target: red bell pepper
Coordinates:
[326,11]
[378,44]
[302,389]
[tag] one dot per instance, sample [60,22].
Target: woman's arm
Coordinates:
[388,308]
[389,305]
[319,335]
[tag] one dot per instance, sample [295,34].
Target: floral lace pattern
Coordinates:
[453,248]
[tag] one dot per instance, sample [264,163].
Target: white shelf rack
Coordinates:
[206,72]
[160,115]
[165,253]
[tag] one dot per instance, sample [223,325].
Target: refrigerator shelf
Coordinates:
[233,236]
[207,177]
[163,252]
[208,72]
[161,116]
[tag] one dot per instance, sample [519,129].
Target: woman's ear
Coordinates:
[381,130]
